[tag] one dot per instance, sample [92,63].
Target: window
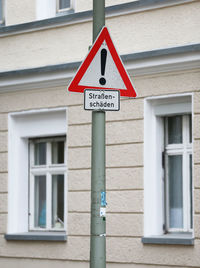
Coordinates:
[37,175]
[1,11]
[51,8]
[178,173]
[63,5]
[47,184]
[168,189]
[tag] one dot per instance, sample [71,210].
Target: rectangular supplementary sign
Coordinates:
[106,100]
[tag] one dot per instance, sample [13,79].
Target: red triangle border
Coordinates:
[104,35]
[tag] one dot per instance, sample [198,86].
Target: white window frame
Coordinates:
[48,170]
[185,150]
[155,109]
[23,126]
[49,8]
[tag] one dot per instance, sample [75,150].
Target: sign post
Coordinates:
[103,79]
[98,182]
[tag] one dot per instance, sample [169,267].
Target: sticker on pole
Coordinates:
[101,100]
[103,69]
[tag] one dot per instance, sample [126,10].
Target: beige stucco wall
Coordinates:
[23,11]
[20,11]
[143,31]
[124,196]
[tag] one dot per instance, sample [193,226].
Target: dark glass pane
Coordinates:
[190,126]
[40,153]
[191,193]
[175,129]
[40,201]
[58,152]
[58,201]
[175,192]
[64,4]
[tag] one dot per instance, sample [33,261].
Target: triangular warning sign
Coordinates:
[103,69]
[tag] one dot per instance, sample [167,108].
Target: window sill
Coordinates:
[65,12]
[170,239]
[37,236]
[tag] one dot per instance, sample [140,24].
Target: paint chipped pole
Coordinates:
[98,223]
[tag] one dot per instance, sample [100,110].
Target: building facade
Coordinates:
[152,143]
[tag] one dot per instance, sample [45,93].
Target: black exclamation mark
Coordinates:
[102,80]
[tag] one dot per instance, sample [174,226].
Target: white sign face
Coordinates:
[103,67]
[106,100]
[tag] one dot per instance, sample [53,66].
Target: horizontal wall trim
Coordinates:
[125,58]
[170,239]
[44,69]
[108,212]
[116,167]
[107,121]
[107,144]
[78,261]
[144,63]
[152,265]
[34,236]
[110,236]
[115,10]
[108,190]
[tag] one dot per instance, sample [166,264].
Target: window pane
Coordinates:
[190,125]
[1,11]
[175,129]
[175,192]
[64,4]
[40,153]
[58,152]
[40,201]
[58,201]
[191,194]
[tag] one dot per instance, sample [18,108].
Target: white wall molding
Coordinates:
[45,9]
[21,127]
[183,58]
[154,110]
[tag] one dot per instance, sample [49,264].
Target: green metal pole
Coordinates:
[98,223]
[98,17]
